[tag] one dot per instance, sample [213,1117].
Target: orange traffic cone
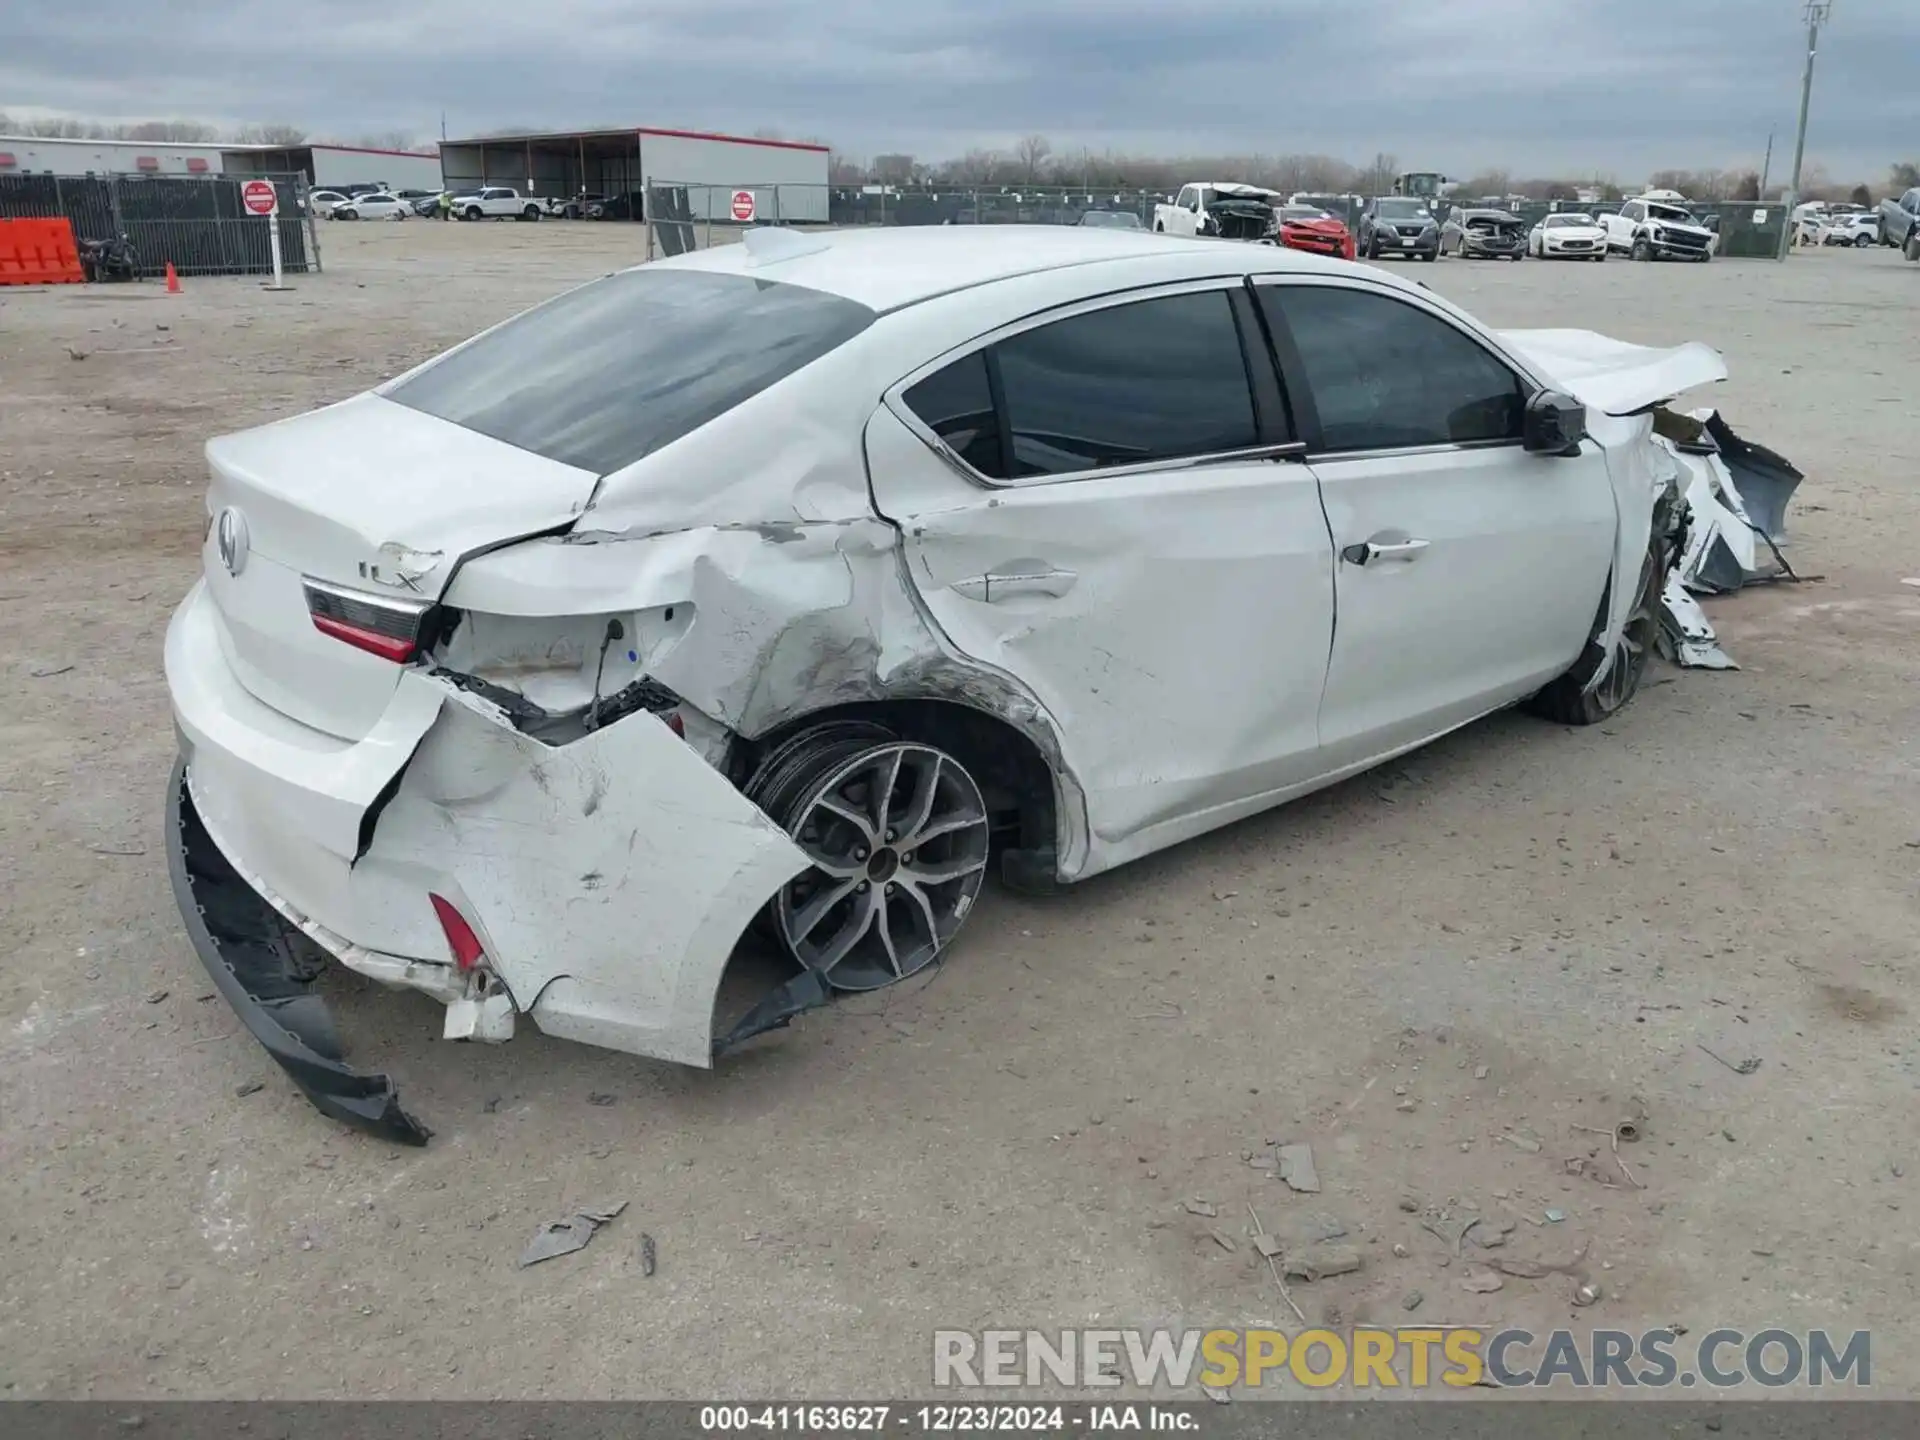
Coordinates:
[173,280]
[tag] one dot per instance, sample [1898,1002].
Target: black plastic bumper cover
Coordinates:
[245,945]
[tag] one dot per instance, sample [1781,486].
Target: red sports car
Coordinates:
[1306,227]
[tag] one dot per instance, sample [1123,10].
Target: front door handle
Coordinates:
[993,587]
[1367,551]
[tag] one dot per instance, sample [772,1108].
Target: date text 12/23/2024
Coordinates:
[826,1419]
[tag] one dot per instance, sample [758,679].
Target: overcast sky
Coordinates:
[1536,86]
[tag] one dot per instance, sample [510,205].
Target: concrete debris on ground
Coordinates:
[1320,1262]
[1296,1168]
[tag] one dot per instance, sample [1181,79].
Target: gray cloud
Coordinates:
[1536,86]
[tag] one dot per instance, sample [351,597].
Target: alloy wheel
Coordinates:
[897,832]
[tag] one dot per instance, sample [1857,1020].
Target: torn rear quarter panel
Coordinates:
[609,879]
[771,623]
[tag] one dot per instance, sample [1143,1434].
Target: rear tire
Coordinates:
[898,834]
[532,212]
[1567,700]
[1862,241]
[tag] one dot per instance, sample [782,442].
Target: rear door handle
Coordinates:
[991,587]
[1367,551]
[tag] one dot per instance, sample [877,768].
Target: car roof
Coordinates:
[886,268]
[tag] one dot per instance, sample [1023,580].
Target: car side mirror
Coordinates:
[1555,424]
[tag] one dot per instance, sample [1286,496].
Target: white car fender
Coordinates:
[1618,382]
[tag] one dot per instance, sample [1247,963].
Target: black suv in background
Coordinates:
[1398,225]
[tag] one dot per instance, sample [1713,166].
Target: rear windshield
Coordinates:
[609,373]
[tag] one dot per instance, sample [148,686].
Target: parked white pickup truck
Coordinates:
[1656,230]
[1219,208]
[496,202]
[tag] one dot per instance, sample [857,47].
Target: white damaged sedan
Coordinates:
[796,579]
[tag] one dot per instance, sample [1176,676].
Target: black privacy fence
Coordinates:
[196,224]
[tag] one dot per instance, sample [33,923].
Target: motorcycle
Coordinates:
[104,260]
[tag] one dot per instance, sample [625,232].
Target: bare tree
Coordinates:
[1904,175]
[895,169]
[1380,175]
[976,167]
[1491,183]
[189,132]
[386,140]
[282,135]
[845,170]
[1745,186]
[1031,150]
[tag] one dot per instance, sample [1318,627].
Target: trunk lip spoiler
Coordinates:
[293,1025]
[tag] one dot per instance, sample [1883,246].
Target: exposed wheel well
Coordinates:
[1012,773]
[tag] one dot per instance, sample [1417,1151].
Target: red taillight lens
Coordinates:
[387,647]
[382,625]
[466,946]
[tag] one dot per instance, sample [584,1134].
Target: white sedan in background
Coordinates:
[321,202]
[1570,236]
[800,578]
[377,206]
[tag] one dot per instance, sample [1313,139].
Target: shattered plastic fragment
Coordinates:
[563,1237]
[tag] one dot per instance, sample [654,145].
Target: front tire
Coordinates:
[472,213]
[1642,251]
[1572,699]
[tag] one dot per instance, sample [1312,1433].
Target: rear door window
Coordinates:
[1151,380]
[606,374]
[957,405]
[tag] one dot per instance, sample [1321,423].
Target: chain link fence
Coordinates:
[196,224]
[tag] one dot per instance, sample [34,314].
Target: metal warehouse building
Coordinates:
[335,167]
[324,166]
[788,177]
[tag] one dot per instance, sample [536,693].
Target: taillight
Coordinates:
[466,946]
[377,624]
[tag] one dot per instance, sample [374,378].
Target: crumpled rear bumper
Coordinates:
[248,949]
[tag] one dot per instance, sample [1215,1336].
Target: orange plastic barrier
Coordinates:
[39,252]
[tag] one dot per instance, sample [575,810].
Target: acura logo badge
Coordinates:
[230,534]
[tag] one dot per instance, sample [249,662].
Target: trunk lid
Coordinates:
[359,514]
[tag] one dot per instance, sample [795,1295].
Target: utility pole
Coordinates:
[1818,13]
[1766,165]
